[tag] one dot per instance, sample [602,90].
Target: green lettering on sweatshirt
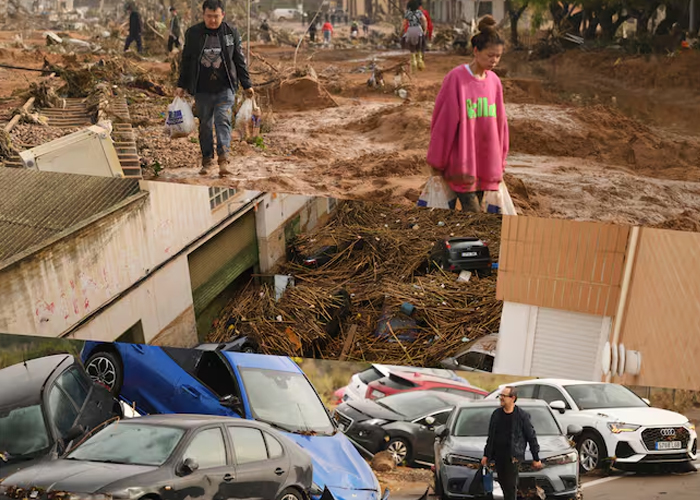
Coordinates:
[480,109]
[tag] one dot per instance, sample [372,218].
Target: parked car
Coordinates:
[619,427]
[405,381]
[194,455]
[240,343]
[270,389]
[479,357]
[46,405]
[462,254]
[285,15]
[461,442]
[402,424]
[357,388]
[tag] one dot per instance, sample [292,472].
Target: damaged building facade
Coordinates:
[118,259]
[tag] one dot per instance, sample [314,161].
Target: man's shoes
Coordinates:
[223,163]
[207,163]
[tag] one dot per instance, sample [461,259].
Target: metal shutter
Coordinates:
[218,262]
[566,344]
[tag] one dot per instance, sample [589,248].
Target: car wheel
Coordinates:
[105,368]
[399,450]
[590,452]
[290,494]
[247,348]
[281,19]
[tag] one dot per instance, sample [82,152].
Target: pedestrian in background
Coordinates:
[213,65]
[312,31]
[175,30]
[469,130]
[510,432]
[135,28]
[415,26]
[327,29]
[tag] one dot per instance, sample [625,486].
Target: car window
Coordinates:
[63,412]
[370,375]
[548,394]
[441,418]
[465,394]
[75,386]
[208,449]
[215,374]
[274,448]
[477,360]
[474,422]
[413,404]
[187,359]
[248,445]
[526,391]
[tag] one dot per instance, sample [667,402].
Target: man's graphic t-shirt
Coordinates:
[212,72]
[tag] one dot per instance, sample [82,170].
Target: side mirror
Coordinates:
[232,402]
[441,431]
[189,466]
[560,406]
[574,430]
[646,401]
[429,421]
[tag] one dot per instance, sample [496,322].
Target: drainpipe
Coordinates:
[626,278]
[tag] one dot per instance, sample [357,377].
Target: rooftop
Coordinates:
[37,206]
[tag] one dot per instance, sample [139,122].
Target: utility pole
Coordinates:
[247,57]
[692,18]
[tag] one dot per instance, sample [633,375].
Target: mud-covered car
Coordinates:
[46,405]
[460,445]
[172,457]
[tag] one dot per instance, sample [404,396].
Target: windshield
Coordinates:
[413,404]
[474,422]
[595,396]
[370,375]
[287,400]
[129,444]
[23,432]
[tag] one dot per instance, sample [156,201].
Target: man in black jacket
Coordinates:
[134,28]
[212,66]
[510,431]
[175,30]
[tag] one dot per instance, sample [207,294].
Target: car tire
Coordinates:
[290,494]
[400,450]
[590,450]
[105,368]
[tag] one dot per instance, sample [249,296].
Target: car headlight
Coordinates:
[688,425]
[567,458]
[461,460]
[316,490]
[618,427]
[375,421]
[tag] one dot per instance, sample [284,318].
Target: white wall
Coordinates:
[515,337]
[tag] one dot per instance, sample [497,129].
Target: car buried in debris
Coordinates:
[46,405]
[460,444]
[270,389]
[171,457]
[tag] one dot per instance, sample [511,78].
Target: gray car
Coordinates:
[172,457]
[460,445]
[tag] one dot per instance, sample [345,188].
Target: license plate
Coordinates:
[469,254]
[668,445]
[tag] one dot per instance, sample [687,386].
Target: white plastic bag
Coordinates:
[180,120]
[492,202]
[436,194]
[244,117]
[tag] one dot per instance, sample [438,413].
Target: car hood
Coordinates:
[336,462]
[639,416]
[372,410]
[550,446]
[75,476]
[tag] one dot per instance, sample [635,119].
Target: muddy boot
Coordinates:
[207,163]
[223,163]
[470,203]
[421,63]
[414,62]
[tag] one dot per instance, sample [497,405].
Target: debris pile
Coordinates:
[378,257]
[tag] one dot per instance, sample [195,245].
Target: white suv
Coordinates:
[618,425]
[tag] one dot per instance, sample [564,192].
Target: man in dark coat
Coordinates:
[135,28]
[175,30]
[212,67]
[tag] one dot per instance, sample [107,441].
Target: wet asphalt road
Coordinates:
[623,486]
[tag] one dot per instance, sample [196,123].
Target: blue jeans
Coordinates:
[214,111]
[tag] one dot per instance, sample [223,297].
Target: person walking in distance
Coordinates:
[416,26]
[327,29]
[175,30]
[469,129]
[510,431]
[135,28]
[213,65]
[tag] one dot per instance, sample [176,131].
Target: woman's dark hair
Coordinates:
[212,5]
[487,35]
[413,5]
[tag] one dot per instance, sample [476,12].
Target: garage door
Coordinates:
[567,344]
[217,263]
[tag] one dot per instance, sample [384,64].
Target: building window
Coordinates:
[485,9]
[218,196]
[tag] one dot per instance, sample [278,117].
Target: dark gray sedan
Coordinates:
[172,457]
[460,445]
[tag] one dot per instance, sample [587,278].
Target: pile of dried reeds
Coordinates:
[381,260]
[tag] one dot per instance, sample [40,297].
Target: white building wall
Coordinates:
[515,340]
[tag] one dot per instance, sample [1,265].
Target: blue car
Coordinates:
[211,381]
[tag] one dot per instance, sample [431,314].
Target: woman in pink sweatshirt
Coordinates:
[469,130]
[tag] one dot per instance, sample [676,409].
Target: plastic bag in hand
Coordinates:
[180,120]
[493,202]
[436,194]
